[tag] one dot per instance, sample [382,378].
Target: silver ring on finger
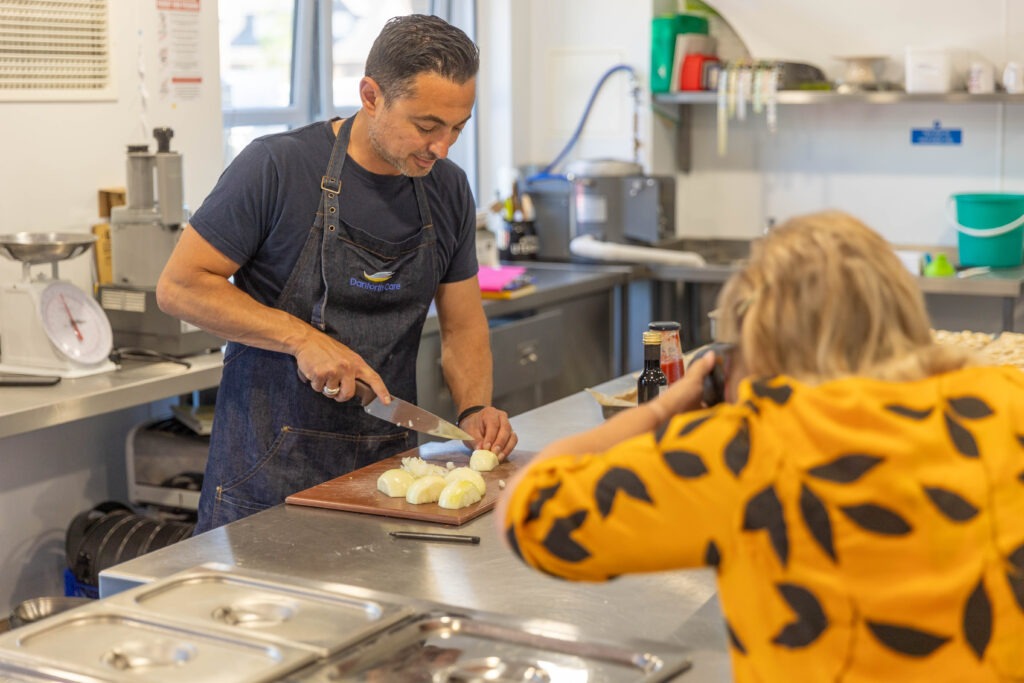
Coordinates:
[329,392]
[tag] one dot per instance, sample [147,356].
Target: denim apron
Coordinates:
[273,434]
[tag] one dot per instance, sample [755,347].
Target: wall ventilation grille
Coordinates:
[54,49]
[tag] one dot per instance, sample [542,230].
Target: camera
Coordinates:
[714,381]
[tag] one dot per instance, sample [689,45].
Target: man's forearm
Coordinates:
[468,367]
[217,306]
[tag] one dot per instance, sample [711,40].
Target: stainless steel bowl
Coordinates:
[34,609]
[44,247]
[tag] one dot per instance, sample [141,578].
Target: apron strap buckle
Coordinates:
[330,184]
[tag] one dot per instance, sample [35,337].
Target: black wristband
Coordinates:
[466,413]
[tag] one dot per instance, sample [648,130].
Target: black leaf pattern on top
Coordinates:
[810,622]
[1016,580]
[779,394]
[712,556]
[618,479]
[1016,576]
[737,451]
[962,438]
[971,407]
[846,468]
[816,518]
[764,511]
[693,424]
[685,464]
[978,620]
[558,541]
[878,519]
[543,496]
[734,640]
[912,413]
[661,430]
[906,640]
[1020,477]
[1016,558]
[513,542]
[1020,439]
[951,504]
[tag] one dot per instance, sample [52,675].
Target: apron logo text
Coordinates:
[375,286]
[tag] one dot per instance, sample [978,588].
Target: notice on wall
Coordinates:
[179,49]
[936,135]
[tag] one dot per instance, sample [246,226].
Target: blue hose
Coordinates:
[546,173]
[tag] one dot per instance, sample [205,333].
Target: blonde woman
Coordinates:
[860,494]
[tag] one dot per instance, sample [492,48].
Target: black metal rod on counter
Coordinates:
[425,536]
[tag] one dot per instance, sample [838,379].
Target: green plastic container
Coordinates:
[664,30]
[990,229]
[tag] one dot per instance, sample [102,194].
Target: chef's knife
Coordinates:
[405,414]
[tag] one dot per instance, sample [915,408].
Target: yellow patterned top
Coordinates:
[860,530]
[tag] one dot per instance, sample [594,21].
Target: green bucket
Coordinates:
[990,229]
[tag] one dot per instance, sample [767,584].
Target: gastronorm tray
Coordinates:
[99,642]
[315,615]
[449,647]
[11,673]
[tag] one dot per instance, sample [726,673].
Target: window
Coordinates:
[286,63]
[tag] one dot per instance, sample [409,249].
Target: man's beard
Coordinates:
[402,165]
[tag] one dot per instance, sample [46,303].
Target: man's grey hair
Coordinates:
[414,44]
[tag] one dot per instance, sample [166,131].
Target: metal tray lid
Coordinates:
[451,647]
[101,643]
[319,616]
[13,673]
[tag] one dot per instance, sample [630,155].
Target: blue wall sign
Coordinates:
[936,135]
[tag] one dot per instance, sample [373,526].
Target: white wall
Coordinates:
[56,155]
[858,157]
[557,53]
[854,157]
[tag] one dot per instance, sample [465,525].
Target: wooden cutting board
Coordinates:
[357,491]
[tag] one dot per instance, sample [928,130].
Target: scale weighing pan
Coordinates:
[34,248]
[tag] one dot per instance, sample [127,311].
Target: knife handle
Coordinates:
[364,393]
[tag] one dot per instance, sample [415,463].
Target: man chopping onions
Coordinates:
[338,236]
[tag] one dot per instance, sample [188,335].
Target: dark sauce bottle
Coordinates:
[652,380]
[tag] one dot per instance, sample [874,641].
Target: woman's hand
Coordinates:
[686,394]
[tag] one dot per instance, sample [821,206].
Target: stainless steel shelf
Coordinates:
[829,97]
[826,97]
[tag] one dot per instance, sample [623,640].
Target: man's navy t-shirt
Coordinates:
[260,212]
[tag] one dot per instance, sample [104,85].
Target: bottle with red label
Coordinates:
[672,363]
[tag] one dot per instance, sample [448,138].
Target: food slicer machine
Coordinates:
[143,234]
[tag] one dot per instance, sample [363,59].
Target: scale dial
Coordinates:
[75,323]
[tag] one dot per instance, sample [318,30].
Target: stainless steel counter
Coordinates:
[675,607]
[677,291]
[1004,282]
[24,409]
[555,283]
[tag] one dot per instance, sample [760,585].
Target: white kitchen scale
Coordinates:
[48,325]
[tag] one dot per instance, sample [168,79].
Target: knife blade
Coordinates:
[408,415]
